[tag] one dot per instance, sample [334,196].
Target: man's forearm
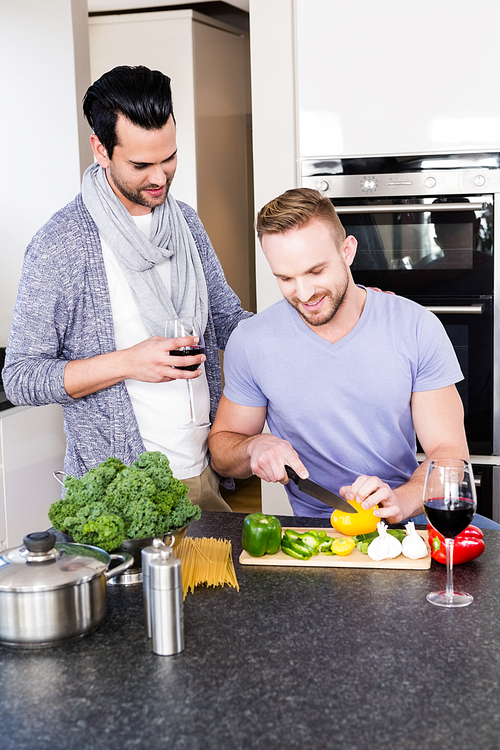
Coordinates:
[410,494]
[85,376]
[149,361]
[229,454]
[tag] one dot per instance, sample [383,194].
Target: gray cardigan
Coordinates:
[63,312]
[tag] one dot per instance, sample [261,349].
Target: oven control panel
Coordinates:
[439,182]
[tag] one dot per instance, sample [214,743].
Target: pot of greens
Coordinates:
[123,508]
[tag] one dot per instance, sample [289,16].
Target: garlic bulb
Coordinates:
[384,546]
[413,545]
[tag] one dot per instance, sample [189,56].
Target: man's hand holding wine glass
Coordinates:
[191,355]
[155,360]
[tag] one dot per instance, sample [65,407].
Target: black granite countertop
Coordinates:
[298,658]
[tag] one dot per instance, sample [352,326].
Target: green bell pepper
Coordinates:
[261,534]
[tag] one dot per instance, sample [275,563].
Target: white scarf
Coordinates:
[169,238]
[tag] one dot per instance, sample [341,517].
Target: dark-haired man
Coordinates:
[98,283]
[344,375]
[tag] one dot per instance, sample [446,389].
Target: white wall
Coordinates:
[274,145]
[208,64]
[147,39]
[273,116]
[45,68]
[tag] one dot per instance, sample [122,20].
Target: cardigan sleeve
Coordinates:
[35,357]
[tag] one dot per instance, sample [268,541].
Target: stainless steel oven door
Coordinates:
[422,246]
[487,481]
[469,324]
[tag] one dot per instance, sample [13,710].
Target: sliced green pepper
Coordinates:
[363,546]
[291,534]
[310,539]
[314,532]
[296,548]
[261,534]
[324,545]
[313,550]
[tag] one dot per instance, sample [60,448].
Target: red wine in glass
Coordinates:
[188,351]
[449,522]
[449,504]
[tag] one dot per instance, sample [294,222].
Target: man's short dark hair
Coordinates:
[140,94]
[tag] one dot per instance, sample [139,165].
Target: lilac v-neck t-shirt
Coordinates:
[344,407]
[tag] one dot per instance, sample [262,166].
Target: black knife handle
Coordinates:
[292,474]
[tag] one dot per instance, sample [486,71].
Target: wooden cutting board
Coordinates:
[355,560]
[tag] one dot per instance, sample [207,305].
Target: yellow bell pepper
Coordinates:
[353,524]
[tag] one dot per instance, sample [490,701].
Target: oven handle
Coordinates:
[408,208]
[455,309]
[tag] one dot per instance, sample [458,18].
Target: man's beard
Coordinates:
[137,195]
[326,314]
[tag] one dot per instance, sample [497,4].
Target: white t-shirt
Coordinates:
[160,408]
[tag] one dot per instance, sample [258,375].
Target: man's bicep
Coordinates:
[438,417]
[232,417]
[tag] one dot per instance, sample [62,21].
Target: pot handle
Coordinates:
[58,474]
[127,561]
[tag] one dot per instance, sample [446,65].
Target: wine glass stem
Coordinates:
[191,401]
[449,568]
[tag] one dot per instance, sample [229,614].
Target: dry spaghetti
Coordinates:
[206,561]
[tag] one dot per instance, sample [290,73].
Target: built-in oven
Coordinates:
[425,227]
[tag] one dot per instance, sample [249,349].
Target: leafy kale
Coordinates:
[182,513]
[96,480]
[157,466]
[131,484]
[114,502]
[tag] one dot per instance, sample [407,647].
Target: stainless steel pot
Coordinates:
[135,547]
[51,593]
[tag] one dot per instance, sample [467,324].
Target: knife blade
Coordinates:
[319,492]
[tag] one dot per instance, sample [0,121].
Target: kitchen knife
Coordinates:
[320,493]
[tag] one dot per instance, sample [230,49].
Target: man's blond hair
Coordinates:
[295,208]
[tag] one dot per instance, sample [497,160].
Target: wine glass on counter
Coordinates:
[449,504]
[175,328]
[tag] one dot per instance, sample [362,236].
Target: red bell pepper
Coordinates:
[469,544]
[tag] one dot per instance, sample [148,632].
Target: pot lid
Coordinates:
[40,564]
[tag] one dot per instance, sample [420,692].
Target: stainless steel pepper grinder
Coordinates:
[166,606]
[147,554]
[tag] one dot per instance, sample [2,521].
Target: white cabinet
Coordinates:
[391,77]
[32,447]
[209,66]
